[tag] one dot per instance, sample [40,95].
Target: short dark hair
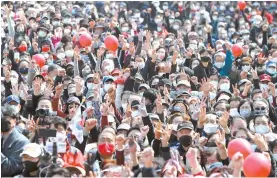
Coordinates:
[59,121]
[245,101]
[234,98]
[62,172]
[224,102]
[260,115]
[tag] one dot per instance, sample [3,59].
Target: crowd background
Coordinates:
[165,96]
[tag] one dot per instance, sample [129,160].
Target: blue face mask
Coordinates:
[85,58]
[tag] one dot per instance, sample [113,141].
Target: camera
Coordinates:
[42,112]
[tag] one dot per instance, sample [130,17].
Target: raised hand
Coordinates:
[132,48]
[206,86]
[191,155]
[90,124]
[272,89]
[159,103]
[59,90]
[174,57]
[105,108]
[37,86]
[228,45]
[48,90]
[144,131]
[31,125]
[166,133]
[236,90]
[202,115]
[79,86]
[15,89]
[220,141]
[223,120]
[158,130]
[147,157]
[120,140]
[259,140]
[100,53]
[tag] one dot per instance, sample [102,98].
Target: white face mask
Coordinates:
[263,87]
[14,81]
[141,65]
[261,129]
[246,68]
[90,86]
[61,55]
[135,113]
[214,83]
[67,31]
[234,112]
[107,87]
[89,103]
[212,95]
[60,137]
[109,56]
[72,90]
[69,53]
[219,65]
[124,29]
[271,71]
[275,156]
[224,87]
[210,128]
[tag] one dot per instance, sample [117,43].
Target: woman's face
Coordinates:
[161,53]
[245,106]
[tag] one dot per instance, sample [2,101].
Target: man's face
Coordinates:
[106,137]
[45,104]
[221,107]
[241,134]
[183,132]
[238,123]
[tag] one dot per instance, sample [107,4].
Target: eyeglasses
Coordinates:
[260,108]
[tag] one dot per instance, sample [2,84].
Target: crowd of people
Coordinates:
[165,103]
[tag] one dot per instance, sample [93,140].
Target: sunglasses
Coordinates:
[260,108]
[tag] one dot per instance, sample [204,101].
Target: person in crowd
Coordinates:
[137,89]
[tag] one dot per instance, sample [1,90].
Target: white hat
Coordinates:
[32,149]
[184,82]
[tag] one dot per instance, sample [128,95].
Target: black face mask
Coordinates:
[23,70]
[5,125]
[185,140]
[30,166]
[205,59]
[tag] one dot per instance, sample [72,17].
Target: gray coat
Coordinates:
[11,163]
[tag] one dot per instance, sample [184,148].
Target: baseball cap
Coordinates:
[265,77]
[108,78]
[143,85]
[123,126]
[184,82]
[13,98]
[32,149]
[135,103]
[154,116]
[243,81]
[73,99]
[183,93]
[89,94]
[185,125]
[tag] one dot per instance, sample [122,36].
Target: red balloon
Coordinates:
[85,40]
[111,43]
[256,165]
[237,50]
[40,59]
[242,5]
[239,145]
